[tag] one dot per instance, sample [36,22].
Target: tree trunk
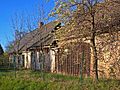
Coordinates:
[95,66]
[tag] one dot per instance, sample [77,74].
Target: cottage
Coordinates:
[53,48]
[35,50]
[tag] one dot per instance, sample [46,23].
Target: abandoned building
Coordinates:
[46,49]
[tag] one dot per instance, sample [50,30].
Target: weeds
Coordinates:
[29,80]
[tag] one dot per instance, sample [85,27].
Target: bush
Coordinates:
[4,59]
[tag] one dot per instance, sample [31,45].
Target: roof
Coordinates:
[44,35]
[36,37]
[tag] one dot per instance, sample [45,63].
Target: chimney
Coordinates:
[40,24]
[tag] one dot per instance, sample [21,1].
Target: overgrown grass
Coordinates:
[29,80]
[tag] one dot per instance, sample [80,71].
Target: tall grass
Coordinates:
[29,80]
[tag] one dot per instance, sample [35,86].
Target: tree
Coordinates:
[26,23]
[3,57]
[88,19]
[77,17]
[19,31]
[1,54]
[1,50]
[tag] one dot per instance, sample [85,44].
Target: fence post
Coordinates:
[14,59]
[81,66]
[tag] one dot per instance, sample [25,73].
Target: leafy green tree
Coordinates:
[1,50]
[4,59]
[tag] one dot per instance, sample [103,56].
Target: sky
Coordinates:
[7,10]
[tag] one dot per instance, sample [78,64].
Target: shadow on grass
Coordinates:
[5,69]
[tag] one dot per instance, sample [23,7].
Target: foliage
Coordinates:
[4,59]
[89,20]
[1,50]
[81,22]
[29,80]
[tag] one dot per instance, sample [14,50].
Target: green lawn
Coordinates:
[29,80]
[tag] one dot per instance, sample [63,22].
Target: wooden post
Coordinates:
[14,59]
[81,66]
